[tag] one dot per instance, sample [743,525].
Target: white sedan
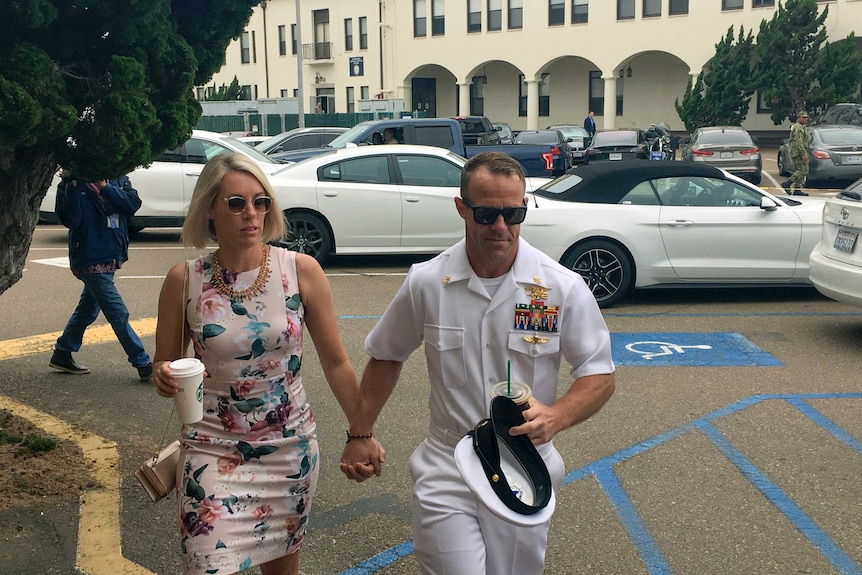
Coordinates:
[836,262]
[638,224]
[395,199]
[165,187]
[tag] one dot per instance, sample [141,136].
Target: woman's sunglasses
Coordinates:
[486,216]
[236,204]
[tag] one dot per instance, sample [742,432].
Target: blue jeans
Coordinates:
[100,293]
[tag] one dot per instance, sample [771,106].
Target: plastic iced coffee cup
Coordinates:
[188,372]
[520,393]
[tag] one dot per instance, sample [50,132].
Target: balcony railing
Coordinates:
[317,51]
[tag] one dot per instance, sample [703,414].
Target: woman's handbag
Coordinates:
[158,474]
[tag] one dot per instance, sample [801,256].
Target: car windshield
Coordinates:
[725,137]
[348,137]
[536,138]
[571,131]
[472,126]
[255,154]
[626,138]
[269,142]
[833,137]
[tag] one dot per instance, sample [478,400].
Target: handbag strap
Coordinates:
[182,350]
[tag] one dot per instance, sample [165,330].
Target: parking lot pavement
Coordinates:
[732,443]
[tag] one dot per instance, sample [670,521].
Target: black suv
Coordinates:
[478,131]
[843,114]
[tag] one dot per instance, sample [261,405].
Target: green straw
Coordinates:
[509,378]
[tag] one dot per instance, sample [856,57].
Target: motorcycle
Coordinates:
[659,142]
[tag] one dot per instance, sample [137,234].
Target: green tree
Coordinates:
[100,87]
[838,70]
[225,92]
[788,47]
[721,95]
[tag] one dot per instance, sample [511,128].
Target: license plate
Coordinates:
[845,240]
[853,159]
[726,155]
[615,156]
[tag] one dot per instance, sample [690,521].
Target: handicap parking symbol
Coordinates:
[662,349]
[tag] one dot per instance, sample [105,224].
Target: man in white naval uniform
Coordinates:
[486,301]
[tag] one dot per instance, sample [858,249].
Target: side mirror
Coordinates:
[768,204]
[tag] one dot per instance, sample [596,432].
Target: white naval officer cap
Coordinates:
[506,472]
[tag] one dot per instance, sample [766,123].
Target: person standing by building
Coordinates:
[464,305]
[590,125]
[798,146]
[97,215]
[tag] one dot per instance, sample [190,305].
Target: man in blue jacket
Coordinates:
[97,215]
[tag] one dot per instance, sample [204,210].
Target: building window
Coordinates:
[495,14]
[762,106]
[678,7]
[244,56]
[351,99]
[420,20]
[580,11]
[620,84]
[762,3]
[245,92]
[474,16]
[651,8]
[556,12]
[625,9]
[363,92]
[438,18]
[544,95]
[348,34]
[253,48]
[282,41]
[284,93]
[731,4]
[363,33]
[516,14]
[597,93]
[293,39]
[201,93]
[477,96]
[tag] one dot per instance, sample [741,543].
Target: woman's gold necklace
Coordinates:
[255,289]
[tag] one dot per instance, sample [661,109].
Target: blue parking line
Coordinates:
[643,541]
[803,523]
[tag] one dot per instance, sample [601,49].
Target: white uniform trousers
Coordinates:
[455,534]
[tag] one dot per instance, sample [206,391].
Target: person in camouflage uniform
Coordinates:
[798,144]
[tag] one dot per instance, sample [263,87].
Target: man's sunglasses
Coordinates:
[236,204]
[486,216]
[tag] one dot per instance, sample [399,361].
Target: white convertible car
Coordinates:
[637,224]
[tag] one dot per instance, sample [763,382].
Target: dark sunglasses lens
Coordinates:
[236,204]
[262,204]
[487,216]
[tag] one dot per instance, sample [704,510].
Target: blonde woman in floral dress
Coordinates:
[249,469]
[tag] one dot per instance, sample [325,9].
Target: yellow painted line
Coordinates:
[99,547]
[24,346]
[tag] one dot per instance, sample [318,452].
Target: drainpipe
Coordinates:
[300,92]
[265,51]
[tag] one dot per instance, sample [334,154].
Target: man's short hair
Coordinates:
[495,162]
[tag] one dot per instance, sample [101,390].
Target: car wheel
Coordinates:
[607,269]
[307,233]
[756,179]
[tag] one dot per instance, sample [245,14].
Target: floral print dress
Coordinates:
[248,470]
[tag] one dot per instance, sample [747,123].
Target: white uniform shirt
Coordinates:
[469,337]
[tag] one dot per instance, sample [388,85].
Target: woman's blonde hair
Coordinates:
[198,227]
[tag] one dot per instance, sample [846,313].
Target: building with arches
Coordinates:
[529,63]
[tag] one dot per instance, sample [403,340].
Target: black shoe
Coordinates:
[788,191]
[145,372]
[799,193]
[64,362]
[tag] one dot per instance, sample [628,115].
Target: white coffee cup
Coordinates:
[188,372]
[520,393]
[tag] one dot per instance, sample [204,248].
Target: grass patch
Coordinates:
[30,443]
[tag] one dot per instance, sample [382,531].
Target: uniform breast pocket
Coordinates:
[444,350]
[535,359]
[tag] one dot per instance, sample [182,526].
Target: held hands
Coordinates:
[362,458]
[164,379]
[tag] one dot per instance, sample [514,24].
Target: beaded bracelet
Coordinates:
[363,436]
